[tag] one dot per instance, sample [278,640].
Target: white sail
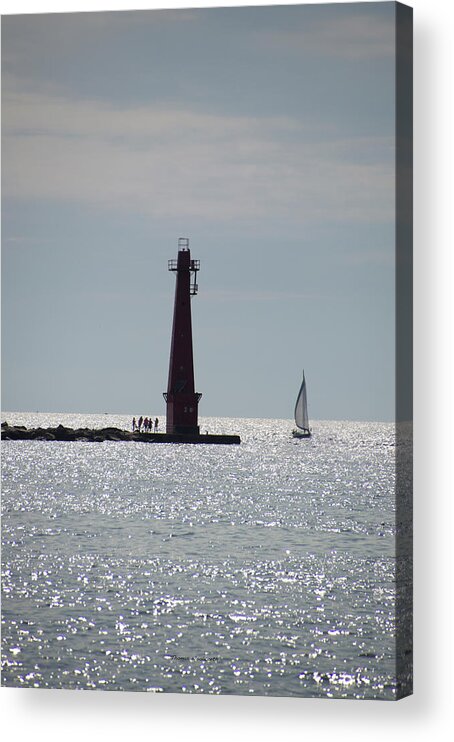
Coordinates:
[301,417]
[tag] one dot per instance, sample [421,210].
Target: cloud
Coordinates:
[166,162]
[352,37]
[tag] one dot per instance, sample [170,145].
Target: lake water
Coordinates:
[267,568]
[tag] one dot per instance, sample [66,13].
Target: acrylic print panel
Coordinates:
[278,141]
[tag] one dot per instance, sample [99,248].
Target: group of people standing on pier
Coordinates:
[145,423]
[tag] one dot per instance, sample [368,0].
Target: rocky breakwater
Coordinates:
[61,433]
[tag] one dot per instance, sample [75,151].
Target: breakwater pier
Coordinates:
[62,433]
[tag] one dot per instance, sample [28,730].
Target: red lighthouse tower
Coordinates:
[181,398]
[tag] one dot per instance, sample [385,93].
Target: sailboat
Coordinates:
[301,417]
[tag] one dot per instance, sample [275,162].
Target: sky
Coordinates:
[263,134]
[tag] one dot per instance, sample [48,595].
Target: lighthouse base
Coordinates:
[182,429]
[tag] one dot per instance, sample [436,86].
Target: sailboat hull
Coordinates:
[301,433]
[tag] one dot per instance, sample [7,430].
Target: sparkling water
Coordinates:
[265,568]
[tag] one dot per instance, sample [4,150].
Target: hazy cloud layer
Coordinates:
[163,161]
[358,36]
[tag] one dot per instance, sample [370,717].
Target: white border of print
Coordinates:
[30,714]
